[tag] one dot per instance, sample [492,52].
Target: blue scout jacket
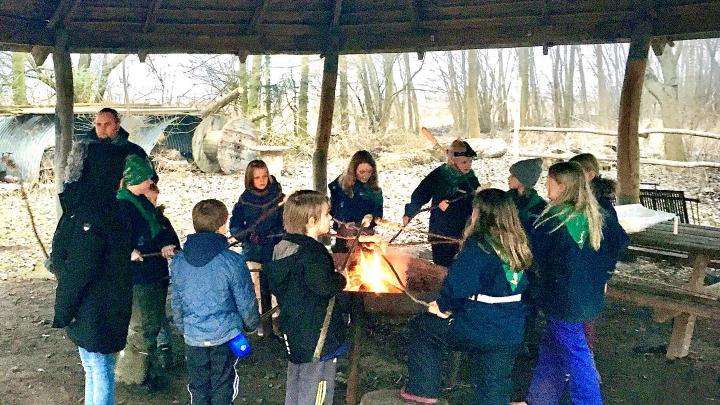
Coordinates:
[445,183]
[352,209]
[572,279]
[258,245]
[213,298]
[477,269]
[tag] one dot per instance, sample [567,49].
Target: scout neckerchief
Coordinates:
[454,178]
[149,215]
[533,198]
[575,222]
[513,277]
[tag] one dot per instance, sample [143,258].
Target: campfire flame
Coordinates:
[372,274]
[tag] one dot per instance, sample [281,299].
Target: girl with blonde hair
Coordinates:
[575,250]
[480,308]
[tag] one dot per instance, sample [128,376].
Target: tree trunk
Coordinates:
[19,88]
[603,102]
[472,125]
[268,96]
[502,113]
[556,88]
[524,73]
[569,92]
[254,85]
[243,84]
[666,93]
[325,118]
[102,81]
[456,106]
[344,99]
[537,110]
[367,94]
[302,109]
[389,93]
[583,88]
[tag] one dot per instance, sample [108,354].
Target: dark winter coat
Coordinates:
[91,251]
[572,280]
[436,187]
[478,270]
[213,297]
[259,243]
[364,201]
[529,205]
[302,276]
[153,269]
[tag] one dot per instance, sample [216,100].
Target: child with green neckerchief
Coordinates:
[479,310]
[575,251]
[138,363]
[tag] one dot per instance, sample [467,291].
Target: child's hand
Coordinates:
[444,204]
[136,256]
[168,251]
[435,310]
[406,219]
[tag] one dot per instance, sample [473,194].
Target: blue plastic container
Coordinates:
[240,346]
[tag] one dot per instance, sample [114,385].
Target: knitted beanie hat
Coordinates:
[527,171]
[137,170]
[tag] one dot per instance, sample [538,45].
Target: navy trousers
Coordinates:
[212,377]
[565,363]
[431,336]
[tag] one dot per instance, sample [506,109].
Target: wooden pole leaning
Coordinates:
[64,114]
[325,118]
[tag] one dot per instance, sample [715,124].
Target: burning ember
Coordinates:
[370,272]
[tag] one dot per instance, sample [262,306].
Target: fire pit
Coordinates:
[371,277]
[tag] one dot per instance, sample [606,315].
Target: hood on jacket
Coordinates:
[200,248]
[603,188]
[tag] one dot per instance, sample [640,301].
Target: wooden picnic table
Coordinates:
[701,244]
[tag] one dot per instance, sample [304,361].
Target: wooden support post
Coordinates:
[684,324]
[628,148]
[325,118]
[352,396]
[63,106]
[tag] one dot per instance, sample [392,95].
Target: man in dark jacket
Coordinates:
[91,256]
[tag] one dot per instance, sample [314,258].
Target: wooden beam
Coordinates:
[151,15]
[628,148]
[40,54]
[414,10]
[257,17]
[242,55]
[325,118]
[63,14]
[684,324]
[63,106]
[142,55]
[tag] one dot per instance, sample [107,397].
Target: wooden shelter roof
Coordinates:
[358,26]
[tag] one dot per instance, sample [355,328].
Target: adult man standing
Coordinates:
[91,254]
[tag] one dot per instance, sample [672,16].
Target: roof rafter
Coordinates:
[257,18]
[63,14]
[151,16]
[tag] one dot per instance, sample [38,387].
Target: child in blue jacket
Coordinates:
[480,308]
[213,301]
[575,249]
[355,194]
[449,188]
[257,221]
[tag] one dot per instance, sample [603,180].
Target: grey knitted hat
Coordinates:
[527,171]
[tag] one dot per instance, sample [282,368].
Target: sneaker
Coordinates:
[416,398]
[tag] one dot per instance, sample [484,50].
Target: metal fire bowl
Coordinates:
[422,277]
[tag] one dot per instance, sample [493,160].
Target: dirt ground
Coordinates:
[39,365]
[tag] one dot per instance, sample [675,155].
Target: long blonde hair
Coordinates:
[579,196]
[495,214]
[348,179]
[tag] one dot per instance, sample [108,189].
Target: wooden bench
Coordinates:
[697,246]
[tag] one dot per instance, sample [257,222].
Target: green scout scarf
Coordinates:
[364,191]
[575,222]
[453,178]
[137,170]
[533,198]
[513,277]
[150,215]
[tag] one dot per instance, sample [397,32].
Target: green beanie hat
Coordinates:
[137,170]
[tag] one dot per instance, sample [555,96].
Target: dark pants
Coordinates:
[310,383]
[430,337]
[444,254]
[266,305]
[212,377]
[565,363]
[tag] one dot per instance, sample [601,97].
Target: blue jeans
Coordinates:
[565,362]
[99,377]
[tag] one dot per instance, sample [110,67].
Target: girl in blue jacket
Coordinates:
[479,310]
[575,248]
[355,194]
[257,222]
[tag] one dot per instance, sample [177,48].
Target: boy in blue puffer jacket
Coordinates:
[213,301]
